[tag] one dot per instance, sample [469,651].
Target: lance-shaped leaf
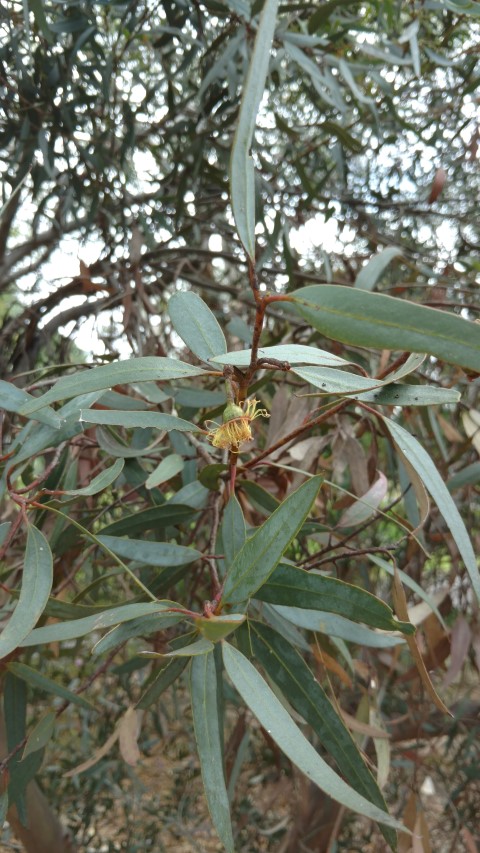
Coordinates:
[406,580]
[410,395]
[41,682]
[287,668]
[37,581]
[418,458]
[161,554]
[165,470]
[372,272]
[101,481]
[242,178]
[33,438]
[79,627]
[202,646]
[197,325]
[262,552]
[169,669]
[12,399]
[384,322]
[293,353]
[208,735]
[294,587]
[272,715]
[136,627]
[41,734]
[142,420]
[233,532]
[333,381]
[143,369]
[149,519]
[366,505]
[333,625]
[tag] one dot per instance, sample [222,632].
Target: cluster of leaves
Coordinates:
[122,521]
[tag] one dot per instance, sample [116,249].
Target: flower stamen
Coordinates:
[235,428]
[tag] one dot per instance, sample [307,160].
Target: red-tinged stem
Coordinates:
[296,432]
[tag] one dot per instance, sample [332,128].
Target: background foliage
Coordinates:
[126,200]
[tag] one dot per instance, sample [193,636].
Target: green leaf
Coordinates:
[4,529]
[411,584]
[3,807]
[410,395]
[40,19]
[32,439]
[39,681]
[15,712]
[12,399]
[335,381]
[415,454]
[165,470]
[202,646]
[41,734]
[287,668]
[101,481]
[113,447]
[209,476]
[372,272]
[207,727]
[293,353]
[215,628]
[114,400]
[168,671]
[149,519]
[374,320]
[295,587]
[262,552]
[172,669]
[233,532]
[143,626]
[160,554]
[37,581]
[196,324]
[259,496]
[467,476]
[271,714]
[143,420]
[242,178]
[198,398]
[79,627]
[334,625]
[120,373]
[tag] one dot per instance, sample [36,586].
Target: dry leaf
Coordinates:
[128,732]
[469,840]
[460,645]
[332,665]
[450,432]
[363,728]
[471,425]
[437,185]
[421,836]
[401,611]
[382,750]
[97,755]
[419,612]
[408,818]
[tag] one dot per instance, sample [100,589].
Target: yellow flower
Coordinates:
[235,428]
